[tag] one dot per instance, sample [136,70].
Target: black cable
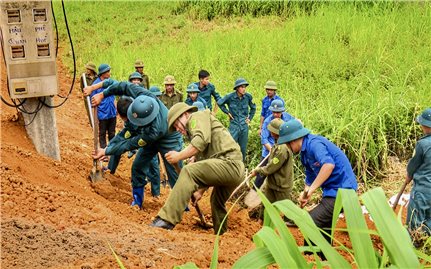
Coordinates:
[74,63]
[56,30]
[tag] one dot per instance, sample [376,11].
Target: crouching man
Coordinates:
[219,165]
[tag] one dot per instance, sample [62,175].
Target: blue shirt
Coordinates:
[189,101]
[265,135]
[106,109]
[315,152]
[266,103]
[240,108]
[419,166]
[206,93]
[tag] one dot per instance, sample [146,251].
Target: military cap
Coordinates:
[169,79]
[143,110]
[274,125]
[425,118]
[103,68]
[91,66]
[277,106]
[291,130]
[270,85]
[176,111]
[139,63]
[239,82]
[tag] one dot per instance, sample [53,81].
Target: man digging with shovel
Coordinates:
[219,164]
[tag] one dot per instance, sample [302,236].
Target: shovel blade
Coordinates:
[96,175]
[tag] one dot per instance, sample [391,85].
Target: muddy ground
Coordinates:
[52,216]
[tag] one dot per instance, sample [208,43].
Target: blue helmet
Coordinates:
[277,106]
[155,90]
[103,68]
[425,118]
[199,105]
[291,130]
[135,75]
[192,88]
[143,110]
[239,82]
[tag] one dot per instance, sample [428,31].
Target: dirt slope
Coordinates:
[53,217]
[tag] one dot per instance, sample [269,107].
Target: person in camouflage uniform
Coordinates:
[219,165]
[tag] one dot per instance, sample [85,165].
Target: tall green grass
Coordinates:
[357,73]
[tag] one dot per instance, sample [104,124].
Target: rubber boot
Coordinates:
[138,197]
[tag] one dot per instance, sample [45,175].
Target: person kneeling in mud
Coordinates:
[219,166]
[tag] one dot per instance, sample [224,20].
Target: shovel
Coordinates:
[87,102]
[394,206]
[96,173]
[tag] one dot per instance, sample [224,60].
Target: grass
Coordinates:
[357,73]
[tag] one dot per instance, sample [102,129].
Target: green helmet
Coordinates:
[91,66]
[192,88]
[274,125]
[239,82]
[139,63]
[135,75]
[169,79]
[176,111]
[270,85]
[143,110]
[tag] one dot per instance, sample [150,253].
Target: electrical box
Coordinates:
[29,48]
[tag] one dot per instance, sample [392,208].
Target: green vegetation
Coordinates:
[275,245]
[357,73]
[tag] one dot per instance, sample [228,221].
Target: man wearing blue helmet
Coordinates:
[278,111]
[326,167]
[150,115]
[193,95]
[241,110]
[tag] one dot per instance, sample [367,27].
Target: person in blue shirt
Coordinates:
[206,88]
[106,111]
[278,111]
[150,115]
[326,167]
[271,95]
[193,95]
[419,170]
[241,110]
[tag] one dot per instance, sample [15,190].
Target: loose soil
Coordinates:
[52,216]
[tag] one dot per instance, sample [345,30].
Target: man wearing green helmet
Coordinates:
[241,110]
[219,164]
[139,67]
[170,96]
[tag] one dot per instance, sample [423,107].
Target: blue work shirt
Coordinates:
[316,150]
[240,108]
[106,109]
[155,132]
[265,135]
[206,93]
[266,103]
[419,166]
[189,101]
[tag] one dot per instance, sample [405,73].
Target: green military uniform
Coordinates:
[145,79]
[220,165]
[279,173]
[169,101]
